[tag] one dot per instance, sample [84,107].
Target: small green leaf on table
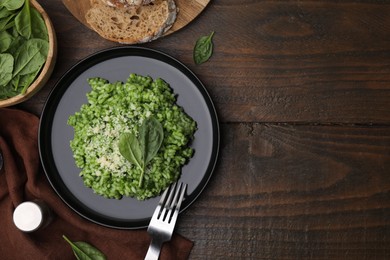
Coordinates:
[85,251]
[203,49]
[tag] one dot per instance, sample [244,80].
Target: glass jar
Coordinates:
[30,216]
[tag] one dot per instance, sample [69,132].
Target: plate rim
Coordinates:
[55,96]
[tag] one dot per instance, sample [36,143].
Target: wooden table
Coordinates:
[302,89]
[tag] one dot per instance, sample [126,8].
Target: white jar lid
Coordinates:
[28,216]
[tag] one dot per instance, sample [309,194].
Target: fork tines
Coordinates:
[169,207]
[164,218]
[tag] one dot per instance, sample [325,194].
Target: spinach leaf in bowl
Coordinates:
[24,46]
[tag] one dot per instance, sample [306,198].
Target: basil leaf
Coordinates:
[203,49]
[23,21]
[151,135]
[85,251]
[6,67]
[129,147]
[30,56]
[142,150]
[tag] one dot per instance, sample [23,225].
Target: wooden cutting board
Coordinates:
[188,11]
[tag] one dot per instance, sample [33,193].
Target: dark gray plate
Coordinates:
[70,93]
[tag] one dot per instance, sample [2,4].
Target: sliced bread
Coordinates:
[133,24]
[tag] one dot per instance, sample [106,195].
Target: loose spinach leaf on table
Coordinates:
[85,251]
[140,151]
[203,49]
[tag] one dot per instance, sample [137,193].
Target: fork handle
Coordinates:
[154,250]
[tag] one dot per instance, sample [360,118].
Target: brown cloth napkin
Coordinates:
[22,179]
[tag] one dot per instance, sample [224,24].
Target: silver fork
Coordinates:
[164,218]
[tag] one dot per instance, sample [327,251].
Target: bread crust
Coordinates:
[126,3]
[133,25]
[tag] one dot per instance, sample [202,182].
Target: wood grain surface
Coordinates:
[302,89]
[188,11]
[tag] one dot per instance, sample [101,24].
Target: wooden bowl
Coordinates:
[46,70]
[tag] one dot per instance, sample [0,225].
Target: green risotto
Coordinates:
[115,109]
